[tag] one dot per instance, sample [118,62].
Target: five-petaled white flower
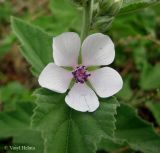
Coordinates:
[97,50]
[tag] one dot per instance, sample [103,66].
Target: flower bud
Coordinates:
[105,12]
[116,6]
[109,7]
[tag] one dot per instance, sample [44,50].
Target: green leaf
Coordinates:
[154,107]
[112,146]
[36,44]
[65,129]
[132,5]
[149,78]
[15,125]
[138,133]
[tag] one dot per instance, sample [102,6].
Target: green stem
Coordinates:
[87,18]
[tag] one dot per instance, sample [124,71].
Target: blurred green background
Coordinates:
[137,39]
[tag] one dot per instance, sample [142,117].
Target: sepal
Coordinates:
[104,13]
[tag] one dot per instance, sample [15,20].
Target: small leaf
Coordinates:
[132,5]
[139,134]
[65,129]
[36,44]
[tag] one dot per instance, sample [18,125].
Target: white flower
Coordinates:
[97,49]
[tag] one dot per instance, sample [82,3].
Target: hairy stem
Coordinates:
[87,18]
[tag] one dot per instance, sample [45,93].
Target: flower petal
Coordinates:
[66,49]
[82,98]
[106,81]
[55,78]
[97,49]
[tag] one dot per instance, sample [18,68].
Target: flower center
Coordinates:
[80,74]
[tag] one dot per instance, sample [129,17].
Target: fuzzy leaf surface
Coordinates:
[36,45]
[138,133]
[65,130]
[132,5]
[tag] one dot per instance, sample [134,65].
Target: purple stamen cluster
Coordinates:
[80,74]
